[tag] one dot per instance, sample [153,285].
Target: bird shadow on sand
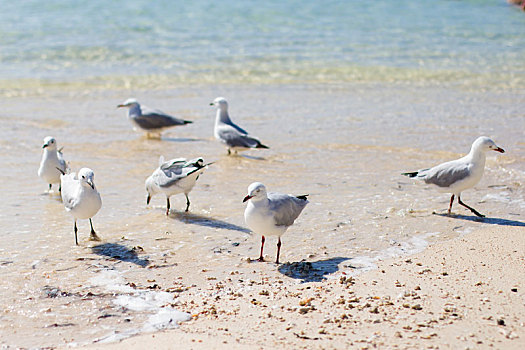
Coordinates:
[120,252]
[195,219]
[485,220]
[314,271]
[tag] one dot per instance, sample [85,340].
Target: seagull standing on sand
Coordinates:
[81,198]
[152,121]
[271,213]
[173,177]
[233,136]
[460,174]
[52,163]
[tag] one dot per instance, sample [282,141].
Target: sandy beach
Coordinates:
[347,96]
[466,293]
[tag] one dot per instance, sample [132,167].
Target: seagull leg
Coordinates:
[262,247]
[229,152]
[60,188]
[471,209]
[278,250]
[93,236]
[187,203]
[50,185]
[76,229]
[450,206]
[167,205]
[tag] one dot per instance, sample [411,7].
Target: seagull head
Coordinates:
[221,103]
[50,143]
[87,177]
[130,102]
[256,192]
[150,188]
[485,144]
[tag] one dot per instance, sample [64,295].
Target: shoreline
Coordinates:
[467,292]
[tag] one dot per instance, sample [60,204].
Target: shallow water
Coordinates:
[344,112]
[345,145]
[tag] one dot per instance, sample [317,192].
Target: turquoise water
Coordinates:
[269,42]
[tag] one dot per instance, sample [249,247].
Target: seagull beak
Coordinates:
[500,150]
[45,145]
[148,199]
[212,104]
[121,105]
[248,197]
[90,183]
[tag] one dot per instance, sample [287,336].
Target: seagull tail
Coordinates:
[187,122]
[260,145]
[411,174]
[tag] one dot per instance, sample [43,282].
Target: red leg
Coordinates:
[262,247]
[278,250]
[450,206]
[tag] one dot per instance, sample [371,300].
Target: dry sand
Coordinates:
[468,292]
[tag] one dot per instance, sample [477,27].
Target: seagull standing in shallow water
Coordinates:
[232,135]
[152,121]
[173,177]
[460,174]
[81,198]
[52,163]
[271,213]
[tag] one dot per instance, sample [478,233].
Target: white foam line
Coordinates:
[413,246]
[157,302]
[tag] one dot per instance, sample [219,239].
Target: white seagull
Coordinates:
[152,121]
[52,163]
[175,176]
[271,213]
[81,198]
[233,136]
[460,174]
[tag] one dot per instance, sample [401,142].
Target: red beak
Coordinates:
[247,198]
[500,150]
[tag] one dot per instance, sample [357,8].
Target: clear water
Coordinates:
[347,95]
[270,42]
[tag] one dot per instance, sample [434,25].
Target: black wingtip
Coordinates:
[260,145]
[411,174]
[303,197]
[61,171]
[188,122]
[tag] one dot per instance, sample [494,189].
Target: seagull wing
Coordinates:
[69,190]
[286,208]
[446,174]
[233,138]
[151,119]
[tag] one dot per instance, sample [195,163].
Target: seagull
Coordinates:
[81,198]
[52,163]
[460,174]
[271,213]
[175,176]
[235,138]
[152,121]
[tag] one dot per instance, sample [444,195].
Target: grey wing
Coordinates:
[69,188]
[61,160]
[286,208]
[156,119]
[169,177]
[238,128]
[234,138]
[446,174]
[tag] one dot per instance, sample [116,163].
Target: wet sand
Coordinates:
[464,293]
[345,145]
